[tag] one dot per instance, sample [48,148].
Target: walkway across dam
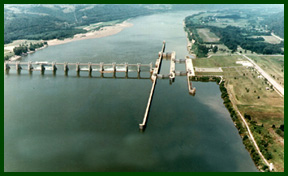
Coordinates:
[154,80]
[115,68]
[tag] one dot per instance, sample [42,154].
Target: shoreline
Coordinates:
[103,32]
[16,57]
[189,43]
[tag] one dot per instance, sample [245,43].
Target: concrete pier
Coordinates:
[66,68]
[29,66]
[54,68]
[138,67]
[190,73]
[101,67]
[6,66]
[172,66]
[18,66]
[114,66]
[77,67]
[126,67]
[154,80]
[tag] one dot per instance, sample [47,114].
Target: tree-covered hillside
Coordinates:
[59,21]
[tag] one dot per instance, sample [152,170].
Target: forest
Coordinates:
[233,36]
[58,22]
[248,37]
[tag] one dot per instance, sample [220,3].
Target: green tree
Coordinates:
[215,49]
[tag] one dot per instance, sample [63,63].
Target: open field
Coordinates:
[205,18]
[217,61]
[209,73]
[207,36]
[247,87]
[18,42]
[271,39]
[97,26]
[273,65]
[8,53]
[222,49]
[265,107]
[224,22]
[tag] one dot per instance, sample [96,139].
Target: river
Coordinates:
[82,123]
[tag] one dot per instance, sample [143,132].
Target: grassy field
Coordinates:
[207,36]
[8,53]
[265,107]
[271,39]
[18,42]
[224,22]
[273,65]
[8,48]
[222,49]
[217,61]
[209,73]
[249,94]
[97,26]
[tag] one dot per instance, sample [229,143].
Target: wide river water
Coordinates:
[82,123]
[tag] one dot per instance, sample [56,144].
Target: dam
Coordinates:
[90,67]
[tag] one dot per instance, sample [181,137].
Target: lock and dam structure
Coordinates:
[114,68]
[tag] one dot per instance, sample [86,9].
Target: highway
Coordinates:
[276,86]
[277,36]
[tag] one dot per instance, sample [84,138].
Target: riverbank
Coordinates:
[16,57]
[189,43]
[103,32]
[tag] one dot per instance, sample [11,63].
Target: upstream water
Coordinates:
[82,123]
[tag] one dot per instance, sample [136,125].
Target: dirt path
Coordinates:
[250,134]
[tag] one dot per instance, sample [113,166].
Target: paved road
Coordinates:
[277,36]
[267,76]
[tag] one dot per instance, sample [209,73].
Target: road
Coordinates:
[277,36]
[276,86]
[270,165]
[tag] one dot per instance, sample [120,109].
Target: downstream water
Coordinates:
[82,123]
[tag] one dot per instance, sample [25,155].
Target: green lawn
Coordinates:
[96,26]
[217,61]
[207,36]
